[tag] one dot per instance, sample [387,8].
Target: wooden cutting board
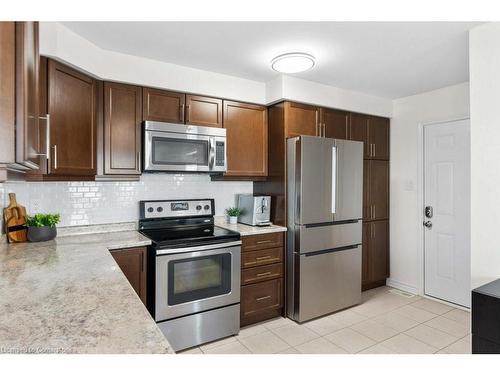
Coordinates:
[15,220]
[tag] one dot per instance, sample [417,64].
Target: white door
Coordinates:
[447,196]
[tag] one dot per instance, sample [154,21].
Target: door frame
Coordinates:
[420,202]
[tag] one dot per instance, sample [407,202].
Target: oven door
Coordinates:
[197,279]
[177,152]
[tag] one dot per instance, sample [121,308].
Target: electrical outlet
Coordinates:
[35,206]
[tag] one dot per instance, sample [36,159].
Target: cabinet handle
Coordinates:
[262,298]
[318,131]
[181,110]
[138,156]
[374,150]
[188,112]
[374,211]
[262,258]
[263,274]
[324,130]
[264,241]
[47,136]
[55,156]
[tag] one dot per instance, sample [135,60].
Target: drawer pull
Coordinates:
[264,241]
[263,274]
[262,298]
[262,258]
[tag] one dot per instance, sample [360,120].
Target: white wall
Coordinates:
[484,63]
[59,42]
[405,229]
[84,203]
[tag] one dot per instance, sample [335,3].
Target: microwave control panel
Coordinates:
[219,154]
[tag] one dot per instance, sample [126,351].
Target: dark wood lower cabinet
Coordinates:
[375,253]
[262,275]
[132,262]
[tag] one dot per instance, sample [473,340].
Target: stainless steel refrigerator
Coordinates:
[325,203]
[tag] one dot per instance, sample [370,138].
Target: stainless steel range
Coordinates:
[194,271]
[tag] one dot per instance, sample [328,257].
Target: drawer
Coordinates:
[261,241]
[262,273]
[261,296]
[261,257]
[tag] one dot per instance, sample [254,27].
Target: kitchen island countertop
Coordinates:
[69,296]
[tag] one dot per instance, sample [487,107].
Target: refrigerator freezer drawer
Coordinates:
[318,238]
[328,282]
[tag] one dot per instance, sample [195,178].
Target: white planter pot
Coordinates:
[233,219]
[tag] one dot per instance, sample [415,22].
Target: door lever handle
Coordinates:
[428,224]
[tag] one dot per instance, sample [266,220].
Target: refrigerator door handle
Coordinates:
[334,178]
[328,251]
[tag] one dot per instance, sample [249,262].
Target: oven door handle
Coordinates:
[198,248]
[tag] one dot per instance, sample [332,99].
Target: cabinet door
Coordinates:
[203,111]
[378,135]
[161,105]
[335,123]
[358,131]
[7,92]
[122,128]
[132,262]
[378,176]
[27,60]
[378,250]
[71,103]
[301,119]
[365,265]
[246,126]
[367,210]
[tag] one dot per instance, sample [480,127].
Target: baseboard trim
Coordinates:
[402,286]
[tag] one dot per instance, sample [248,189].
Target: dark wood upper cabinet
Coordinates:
[378,137]
[378,250]
[27,120]
[122,129]
[161,105]
[132,262]
[203,111]
[335,123]
[246,126]
[7,95]
[358,131]
[301,119]
[72,110]
[378,189]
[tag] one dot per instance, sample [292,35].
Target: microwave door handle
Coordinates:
[211,153]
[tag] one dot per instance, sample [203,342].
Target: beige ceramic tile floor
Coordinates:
[387,322]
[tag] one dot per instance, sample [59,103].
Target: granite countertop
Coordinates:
[69,296]
[247,230]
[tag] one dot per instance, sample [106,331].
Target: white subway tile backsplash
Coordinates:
[89,203]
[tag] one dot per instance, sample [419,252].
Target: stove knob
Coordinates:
[150,209]
[198,207]
[159,209]
[207,207]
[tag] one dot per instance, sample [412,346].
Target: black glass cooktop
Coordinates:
[185,236]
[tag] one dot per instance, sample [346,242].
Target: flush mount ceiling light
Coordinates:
[294,62]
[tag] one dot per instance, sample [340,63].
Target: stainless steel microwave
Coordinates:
[176,147]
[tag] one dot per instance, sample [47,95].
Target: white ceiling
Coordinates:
[385,59]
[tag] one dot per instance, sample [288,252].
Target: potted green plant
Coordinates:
[42,227]
[233,213]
